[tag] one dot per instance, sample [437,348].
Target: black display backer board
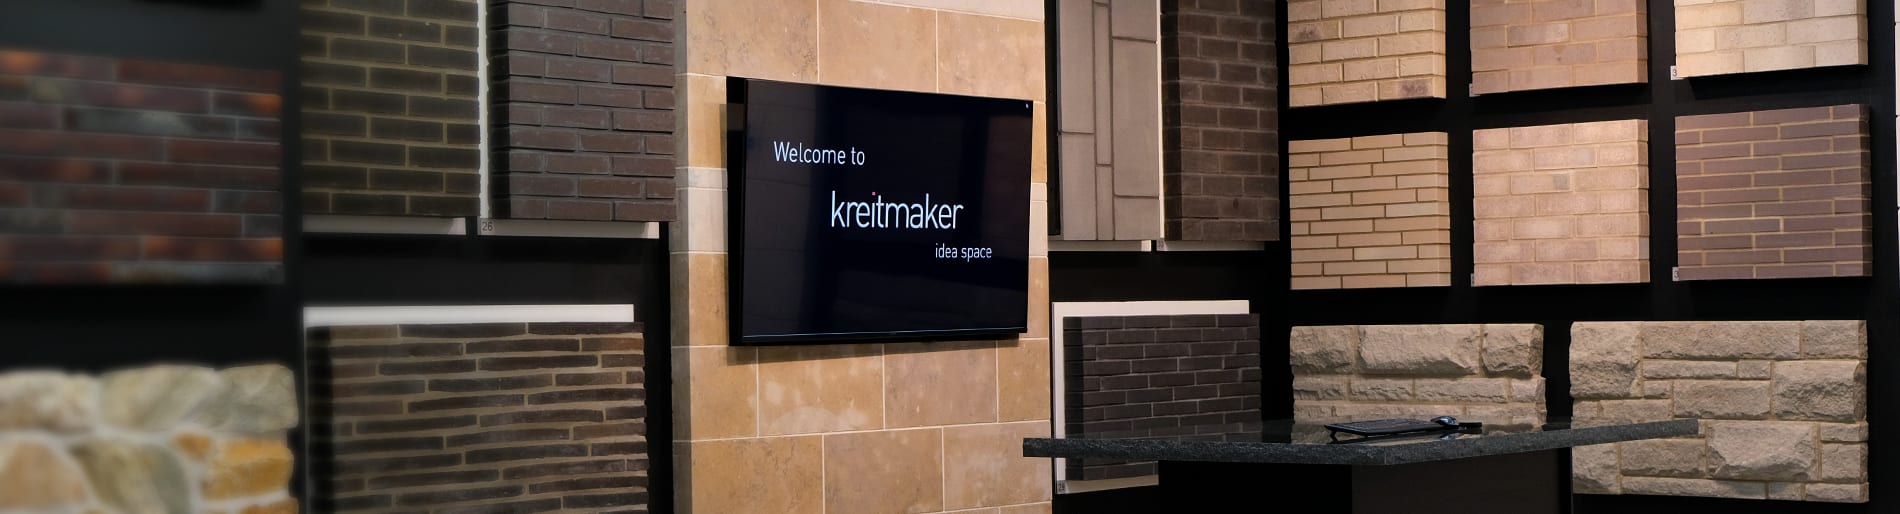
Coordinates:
[860,214]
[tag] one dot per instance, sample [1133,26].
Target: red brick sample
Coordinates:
[1774,194]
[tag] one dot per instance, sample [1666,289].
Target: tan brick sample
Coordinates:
[1370,211]
[1353,51]
[1774,194]
[1718,37]
[1561,204]
[1544,44]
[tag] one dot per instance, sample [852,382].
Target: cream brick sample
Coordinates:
[1773,416]
[1370,211]
[1719,37]
[1561,204]
[1353,51]
[1544,44]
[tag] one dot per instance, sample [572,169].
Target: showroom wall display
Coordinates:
[1721,37]
[1561,204]
[1547,44]
[1356,51]
[1783,406]
[1371,211]
[1491,373]
[1220,116]
[1108,79]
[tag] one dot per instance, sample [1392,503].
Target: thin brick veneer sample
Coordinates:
[1353,51]
[1370,211]
[1717,37]
[1561,204]
[1545,44]
[1774,194]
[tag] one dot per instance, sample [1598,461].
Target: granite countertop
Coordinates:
[1426,449]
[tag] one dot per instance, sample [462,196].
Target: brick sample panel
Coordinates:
[1108,78]
[1188,377]
[117,171]
[1546,44]
[390,113]
[1719,37]
[582,108]
[1486,373]
[1352,51]
[1370,211]
[517,417]
[1220,121]
[1783,407]
[1774,194]
[1561,204]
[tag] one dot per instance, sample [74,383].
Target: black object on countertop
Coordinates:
[1272,448]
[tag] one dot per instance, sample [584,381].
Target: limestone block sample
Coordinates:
[1489,373]
[1353,51]
[1370,211]
[1561,204]
[1783,406]
[1545,44]
[1719,37]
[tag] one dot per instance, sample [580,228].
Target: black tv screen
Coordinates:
[867,214]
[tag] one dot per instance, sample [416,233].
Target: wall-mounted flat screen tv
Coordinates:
[865,214]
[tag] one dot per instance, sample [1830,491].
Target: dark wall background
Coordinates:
[1262,278]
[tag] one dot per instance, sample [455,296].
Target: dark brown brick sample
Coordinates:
[1193,377]
[1220,121]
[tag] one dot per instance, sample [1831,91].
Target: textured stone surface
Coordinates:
[1679,458]
[157,397]
[35,477]
[1603,359]
[47,400]
[1762,451]
[247,467]
[1728,340]
[1721,399]
[1842,339]
[1420,349]
[1840,493]
[256,399]
[1594,469]
[1844,463]
[1821,390]
[136,478]
[1328,349]
[1514,350]
[1694,487]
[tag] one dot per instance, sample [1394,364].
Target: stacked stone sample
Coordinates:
[1545,44]
[1370,211]
[1488,373]
[1783,406]
[1717,37]
[1352,51]
[167,439]
[1561,204]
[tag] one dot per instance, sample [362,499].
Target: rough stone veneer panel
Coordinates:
[1561,204]
[1220,121]
[1108,78]
[1370,211]
[1545,44]
[390,119]
[1352,51]
[1774,194]
[121,170]
[1719,37]
[1783,406]
[1487,373]
[582,107]
[165,438]
[1189,377]
[524,417]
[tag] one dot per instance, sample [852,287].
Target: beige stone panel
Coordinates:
[1136,111]
[1038,326]
[1137,218]
[1009,8]
[1594,469]
[1078,187]
[1023,375]
[940,383]
[699,299]
[889,471]
[781,474]
[36,477]
[809,389]
[984,466]
[876,46]
[1694,487]
[744,38]
[1712,63]
[720,397]
[704,212]
[989,56]
[1039,143]
[1763,450]
[1075,78]
[703,123]
[1841,493]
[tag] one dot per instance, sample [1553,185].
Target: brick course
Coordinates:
[1545,44]
[583,110]
[1718,37]
[1191,377]
[1370,211]
[1774,194]
[390,113]
[1220,120]
[443,418]
[1561,204]
[1352,51]
[118,170]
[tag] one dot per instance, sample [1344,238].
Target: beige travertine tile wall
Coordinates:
[1782,404]
[1370,211]
[1718,37]
[1109,78]
[1352,51]
[861,428]
[1545,44]
[1561,204]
